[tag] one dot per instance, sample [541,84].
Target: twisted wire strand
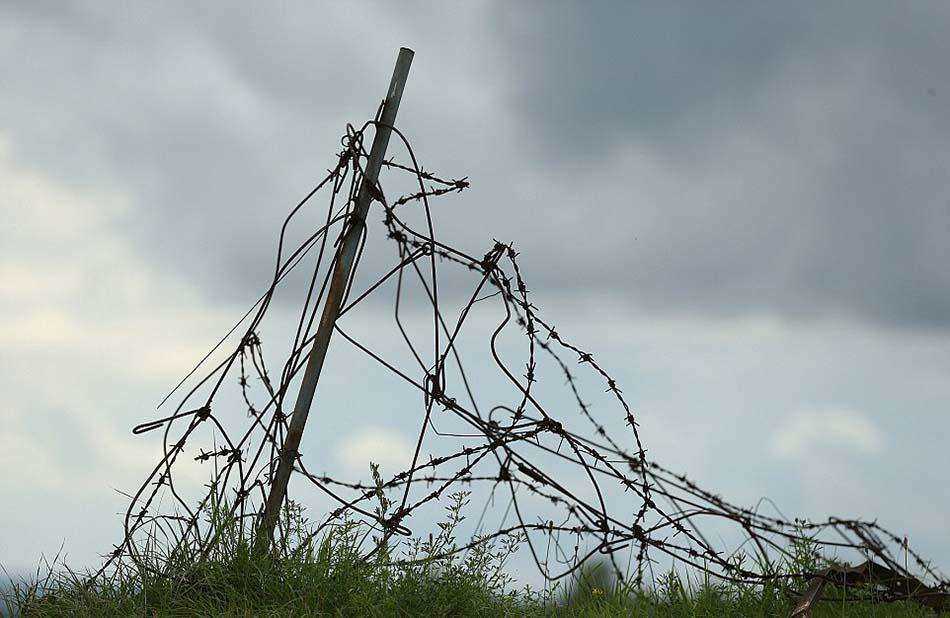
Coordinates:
[507,448]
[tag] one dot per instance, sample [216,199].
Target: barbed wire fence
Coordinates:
[507,448]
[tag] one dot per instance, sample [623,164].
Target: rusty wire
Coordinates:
[505,450]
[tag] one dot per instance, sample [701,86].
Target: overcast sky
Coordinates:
[744,211]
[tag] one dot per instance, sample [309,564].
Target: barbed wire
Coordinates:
[509,450]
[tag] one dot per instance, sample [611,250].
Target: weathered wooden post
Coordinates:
[342,267]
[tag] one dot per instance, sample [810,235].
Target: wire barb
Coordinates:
[577,484]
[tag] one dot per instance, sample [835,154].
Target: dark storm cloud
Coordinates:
[158,103]
[597,74]
[826,131]
[782,160]
[213,120]
[601,73]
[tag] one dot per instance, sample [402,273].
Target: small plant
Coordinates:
[335,575]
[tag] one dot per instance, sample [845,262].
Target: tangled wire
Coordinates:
[572,489]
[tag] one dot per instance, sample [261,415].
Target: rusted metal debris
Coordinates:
[878,582]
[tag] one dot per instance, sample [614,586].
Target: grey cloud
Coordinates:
[783,161]
[215,121]
[594,75]
[597,74]
[826,131]
[160,105]
[787,162]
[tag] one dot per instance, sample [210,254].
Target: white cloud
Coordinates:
[381,445]
[90,331]
[839,429]
[71,281]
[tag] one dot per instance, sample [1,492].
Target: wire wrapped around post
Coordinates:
[602,495]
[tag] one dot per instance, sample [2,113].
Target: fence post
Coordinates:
[342,267]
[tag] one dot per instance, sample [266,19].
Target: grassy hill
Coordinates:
[333,577]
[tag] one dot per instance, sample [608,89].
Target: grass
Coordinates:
[332,578]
